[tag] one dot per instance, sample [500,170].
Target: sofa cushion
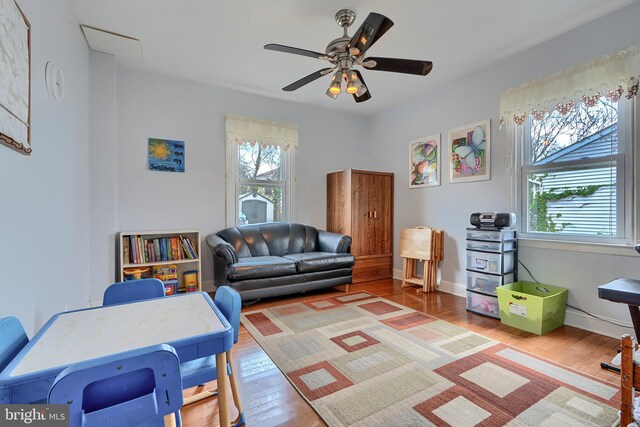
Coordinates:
[319,261]
[261,266]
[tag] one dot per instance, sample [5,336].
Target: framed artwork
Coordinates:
[166,155]
[15,76]
[424,162]
[469,152]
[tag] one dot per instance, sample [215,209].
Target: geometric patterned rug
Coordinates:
[361,360]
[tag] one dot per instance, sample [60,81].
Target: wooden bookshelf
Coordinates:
[185,252]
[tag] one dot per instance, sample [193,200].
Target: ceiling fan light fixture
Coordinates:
[336,83]
[331,95]
[352,82]
[361,91]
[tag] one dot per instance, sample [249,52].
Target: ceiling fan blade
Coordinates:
[365,96]
[370,31]
[306,80]
[396,65]
[294,50]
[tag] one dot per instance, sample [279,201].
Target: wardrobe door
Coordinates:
[380,204]
[361,214]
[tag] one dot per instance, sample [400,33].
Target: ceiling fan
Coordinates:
[346,52]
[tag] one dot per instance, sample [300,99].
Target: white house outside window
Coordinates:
[260,165]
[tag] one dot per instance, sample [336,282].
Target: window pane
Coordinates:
[573,201]
[259,163]
[583,133]
[259,203]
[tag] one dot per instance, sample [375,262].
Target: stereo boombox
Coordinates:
[493,219]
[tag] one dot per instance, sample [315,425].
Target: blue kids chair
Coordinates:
[200,371]
[134,388]
[12,340]
[133,290]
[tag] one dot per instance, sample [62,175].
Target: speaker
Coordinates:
[475,219]
[505,220]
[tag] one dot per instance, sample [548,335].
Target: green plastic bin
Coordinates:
[532,307]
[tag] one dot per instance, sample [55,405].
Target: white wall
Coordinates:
[162,107]
[44,218]
[104,169]
[477,97]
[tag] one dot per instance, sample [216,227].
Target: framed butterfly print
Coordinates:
[469,152]
[424,162]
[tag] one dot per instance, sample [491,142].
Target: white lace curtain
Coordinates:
[611,76]
[246,130]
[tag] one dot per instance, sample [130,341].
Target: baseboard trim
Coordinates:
[443,285]
[453,288]
[582,321]
[572,317]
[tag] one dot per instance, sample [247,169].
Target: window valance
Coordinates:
[611,76]
[241,130]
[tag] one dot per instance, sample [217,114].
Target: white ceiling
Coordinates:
[221,42]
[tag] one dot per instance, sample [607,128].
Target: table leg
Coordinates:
[223,381]
[635,318]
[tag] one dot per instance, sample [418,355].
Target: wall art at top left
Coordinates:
[15,76]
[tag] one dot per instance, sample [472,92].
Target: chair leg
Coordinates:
[239,421]
[170,420]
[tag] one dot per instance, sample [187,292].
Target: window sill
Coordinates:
[593,248]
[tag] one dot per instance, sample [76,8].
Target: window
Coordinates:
[575,179]
[260,171]
[262,184]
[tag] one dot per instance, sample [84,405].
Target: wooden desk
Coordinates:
[190,323]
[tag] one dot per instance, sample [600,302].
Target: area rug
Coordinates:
[361,360]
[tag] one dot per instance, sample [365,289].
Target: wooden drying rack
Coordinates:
[425,245]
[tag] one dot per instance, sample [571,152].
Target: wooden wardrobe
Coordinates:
[360,204]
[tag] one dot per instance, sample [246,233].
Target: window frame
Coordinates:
[627,162]
[233,183]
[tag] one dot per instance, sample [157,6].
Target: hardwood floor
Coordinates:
[270,400]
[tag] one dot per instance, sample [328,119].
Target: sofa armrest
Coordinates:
[334,242]
[222,249]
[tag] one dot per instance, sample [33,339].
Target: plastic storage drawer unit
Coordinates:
[497,235]
[490,262]
[487,283]
[483,245]
[483,304]
[532,307]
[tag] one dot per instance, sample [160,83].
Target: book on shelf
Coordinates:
[163,251]
[134,252]
[140,253]
[189,247]
[126,256]
[156,250]
[174,248]
[169,251]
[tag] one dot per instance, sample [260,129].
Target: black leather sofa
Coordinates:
[272,259]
